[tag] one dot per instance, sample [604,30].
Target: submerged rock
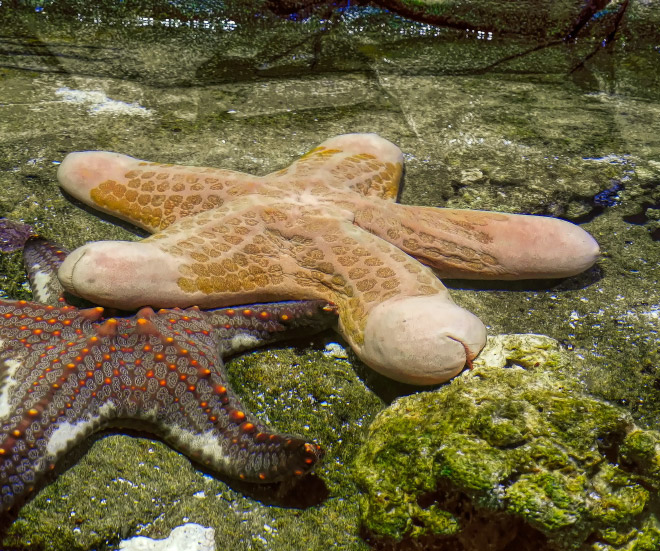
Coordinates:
[510,458]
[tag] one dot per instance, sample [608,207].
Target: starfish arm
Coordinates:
[149,195]
[483,245]
[42,259]
[364,163]
[182,395]
[257,325]
[40,394]
[65,375]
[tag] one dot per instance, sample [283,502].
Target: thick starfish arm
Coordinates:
[65,375]
[149,195]
[483,245]
[255,251]
[364,163]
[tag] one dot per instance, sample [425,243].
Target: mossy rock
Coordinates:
[510,457]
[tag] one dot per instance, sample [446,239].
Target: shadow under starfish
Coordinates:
[66,372]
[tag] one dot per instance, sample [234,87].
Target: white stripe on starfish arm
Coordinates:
[207,445]
[8,368]
[41,283]
[66,434]
[239,343]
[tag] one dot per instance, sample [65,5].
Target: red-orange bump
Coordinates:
[146,327]
[247,312]
[247,427]
[92,314]
[108,328]
[221,389]
[146,313]
[264,315]
[237,415]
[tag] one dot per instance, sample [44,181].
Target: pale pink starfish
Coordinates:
[325,227]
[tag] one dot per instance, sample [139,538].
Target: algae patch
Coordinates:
[513,457]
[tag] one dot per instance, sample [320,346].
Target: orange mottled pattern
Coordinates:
[156,195]
[421,233]
[361,172]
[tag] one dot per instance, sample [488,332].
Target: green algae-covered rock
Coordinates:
[513,457]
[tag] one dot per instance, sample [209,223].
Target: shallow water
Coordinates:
[485,122]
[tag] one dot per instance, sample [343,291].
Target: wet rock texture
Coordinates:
[512,457]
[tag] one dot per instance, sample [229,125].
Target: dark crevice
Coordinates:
[480,528]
